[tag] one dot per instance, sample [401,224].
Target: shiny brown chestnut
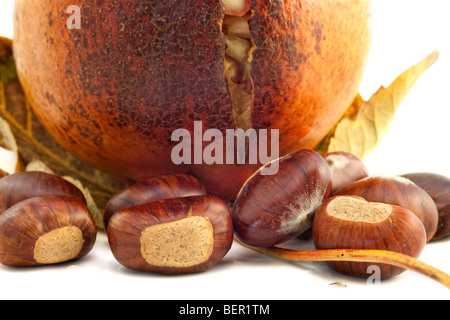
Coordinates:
[46,230]
[397,191]
[346,168]
[172,236]
[351,222]
[23,185]
[438,187]
[271,209]
[158,188]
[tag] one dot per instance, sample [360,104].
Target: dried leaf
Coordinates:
[351,113]
[92,206]
[35,143]
[38,165]
[7,65]
[366,123]
[9,154]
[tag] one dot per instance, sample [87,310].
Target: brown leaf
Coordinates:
[366,123]
[35,143]
[9,153]
[90,202]
[7,66]
[38,165]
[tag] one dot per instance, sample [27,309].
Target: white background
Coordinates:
[405,31]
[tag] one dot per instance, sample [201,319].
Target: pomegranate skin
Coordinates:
[113,92]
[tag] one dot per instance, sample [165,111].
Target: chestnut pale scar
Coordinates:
[357,210]
[182,243]
[59,245]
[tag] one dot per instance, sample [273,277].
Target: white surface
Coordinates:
[405,31]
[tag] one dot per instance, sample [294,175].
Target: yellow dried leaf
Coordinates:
[9,154]
[90,202]
[7,65]
[363,127]
[38,165]
[350,113]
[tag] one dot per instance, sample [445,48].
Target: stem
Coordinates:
[360,255]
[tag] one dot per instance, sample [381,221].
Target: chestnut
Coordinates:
[157,188]
[172,236]
[46,230]
[350,222]
[271,209]
[23,185]
[345,168]
[438,187]
[398,191]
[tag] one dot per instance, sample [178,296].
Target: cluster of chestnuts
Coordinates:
[334,198]
[170,225]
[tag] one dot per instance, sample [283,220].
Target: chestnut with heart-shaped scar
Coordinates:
[398,191]
[350,222]
[172,236]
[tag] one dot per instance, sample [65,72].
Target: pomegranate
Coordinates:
[114,90]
